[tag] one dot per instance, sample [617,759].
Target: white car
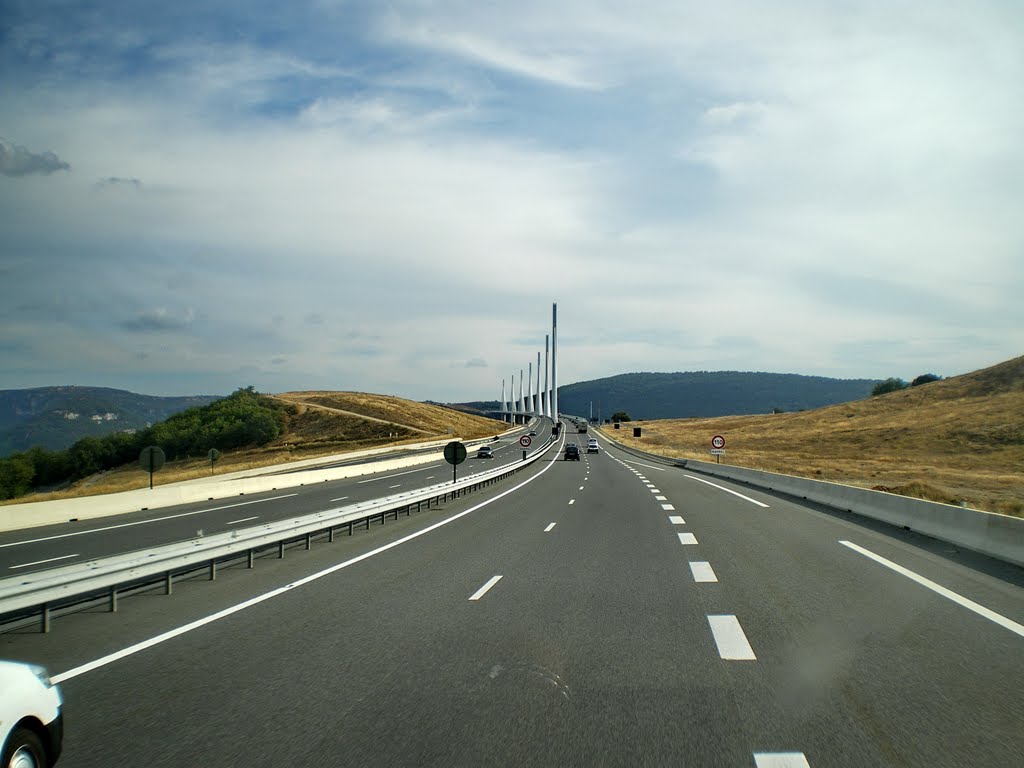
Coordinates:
[31,719]
[592,446]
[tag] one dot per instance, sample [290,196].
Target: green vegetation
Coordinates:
[245,418]
[925,378]
[620,416]
[889,385]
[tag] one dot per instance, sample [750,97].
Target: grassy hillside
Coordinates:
[55,417]
[312,424]
[706,393]
[961,439]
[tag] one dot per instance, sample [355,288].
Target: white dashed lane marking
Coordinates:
[676,520]
[702,572]
[732,643]
[550,526]
[667,507]
[687,538]
[483,590]
[780,760]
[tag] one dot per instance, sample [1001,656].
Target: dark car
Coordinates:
[484,452]
[572,452]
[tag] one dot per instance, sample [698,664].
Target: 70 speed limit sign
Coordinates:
[718,442]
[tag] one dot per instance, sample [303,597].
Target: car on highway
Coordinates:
[533,433]
[572,452]
[484,452]
[31,717]
[592,446]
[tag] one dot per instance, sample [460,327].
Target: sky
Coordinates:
[388,197]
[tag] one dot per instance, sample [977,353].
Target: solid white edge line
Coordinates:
[243,520]
[133,649]
[949,594]
[687,538]
[550,526]
[702,572]
[40,562]
[729,490]
[144,522]
[729,637]
[397,474]
[780,760]
[641,464]
[483,590]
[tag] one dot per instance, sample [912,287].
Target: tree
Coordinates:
[925,378]
[620,416]
[889,385]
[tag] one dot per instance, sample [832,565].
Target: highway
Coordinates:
[613,611]
[44,547]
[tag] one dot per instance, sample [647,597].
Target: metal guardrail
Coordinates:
[36,598]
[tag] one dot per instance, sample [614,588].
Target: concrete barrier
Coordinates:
[995,535]
[999,536]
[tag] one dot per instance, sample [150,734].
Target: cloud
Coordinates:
[16,160]
[158,320]
[116,181]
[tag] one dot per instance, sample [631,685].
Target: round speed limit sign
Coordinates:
[525,441]
[718,442]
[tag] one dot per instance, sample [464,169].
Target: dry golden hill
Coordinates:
[956,440]
[360,416]
[317,424]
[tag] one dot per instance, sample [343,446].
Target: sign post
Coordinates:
[525,441]
[214,454]
[454,454]
[718,448]
[152,459]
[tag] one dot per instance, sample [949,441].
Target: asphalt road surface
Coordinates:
[612,612]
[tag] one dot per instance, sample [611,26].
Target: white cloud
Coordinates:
[680,177]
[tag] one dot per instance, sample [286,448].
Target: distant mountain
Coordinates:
[55,417]
[706,394]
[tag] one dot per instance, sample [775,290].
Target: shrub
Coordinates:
[889,385]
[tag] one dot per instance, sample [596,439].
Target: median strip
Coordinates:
[145,522]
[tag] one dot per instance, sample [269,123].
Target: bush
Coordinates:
[889,385]
[620,416]
[925,378]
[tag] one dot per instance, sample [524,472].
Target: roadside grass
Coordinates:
[316,429]
[957,440]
